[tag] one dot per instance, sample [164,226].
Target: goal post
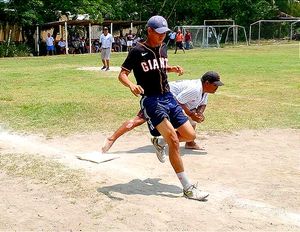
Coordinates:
[297,23]
[202,36]
[228,31]
[270,30]
[236,33]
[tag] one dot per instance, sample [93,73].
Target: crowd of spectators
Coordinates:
[80,45]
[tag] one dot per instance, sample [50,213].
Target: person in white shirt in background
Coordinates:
[106,41]
[62,46]
[50,44]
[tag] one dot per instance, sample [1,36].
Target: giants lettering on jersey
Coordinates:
[154,64]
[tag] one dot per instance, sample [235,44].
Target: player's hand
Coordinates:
[136,89]
[178,70]
[197,117]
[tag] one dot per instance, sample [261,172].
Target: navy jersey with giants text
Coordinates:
[149,66]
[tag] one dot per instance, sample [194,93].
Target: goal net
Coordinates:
[228,32]
[271,31]
[202,36]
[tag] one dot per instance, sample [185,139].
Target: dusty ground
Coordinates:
[253,178]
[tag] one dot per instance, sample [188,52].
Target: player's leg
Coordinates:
[107,57]
[182,47]
[186,132]
[124,128]
[103,58]
[107,65]
[192,144]
[168,132]
[166,129]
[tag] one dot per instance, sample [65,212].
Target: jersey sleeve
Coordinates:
[130,61]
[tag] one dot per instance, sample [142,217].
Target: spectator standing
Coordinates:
[117,44]
[106,40]
[82,47]
[50,44]
[187,39]
[123,44]
[129,39]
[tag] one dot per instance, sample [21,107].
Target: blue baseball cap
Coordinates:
[158,23]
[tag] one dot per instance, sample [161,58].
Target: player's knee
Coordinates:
[173,141]
[191,136]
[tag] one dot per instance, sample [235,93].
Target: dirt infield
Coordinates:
[253,178]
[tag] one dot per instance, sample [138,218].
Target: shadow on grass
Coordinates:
[147,187]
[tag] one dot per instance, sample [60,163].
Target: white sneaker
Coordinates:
[194,193]
[160,148]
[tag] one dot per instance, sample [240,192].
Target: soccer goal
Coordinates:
[202,36]
[270,31]
[228,32]
[295,30]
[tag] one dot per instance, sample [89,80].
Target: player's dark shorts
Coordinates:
[179,44]
[156,108]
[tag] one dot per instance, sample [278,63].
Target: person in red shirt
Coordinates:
[179,41]
[187,39]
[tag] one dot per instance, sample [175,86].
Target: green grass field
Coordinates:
[49,95]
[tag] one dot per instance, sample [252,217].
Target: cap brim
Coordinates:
[162,30]
[218,83]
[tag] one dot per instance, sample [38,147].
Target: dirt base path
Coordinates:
[253,178]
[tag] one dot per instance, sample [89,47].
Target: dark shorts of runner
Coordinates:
[179,44]
[157,108]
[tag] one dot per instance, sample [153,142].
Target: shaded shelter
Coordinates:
[86,23]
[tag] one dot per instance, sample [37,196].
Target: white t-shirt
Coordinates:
[106,40]
[189,92]
[49,41]
[172,35]
[62,44]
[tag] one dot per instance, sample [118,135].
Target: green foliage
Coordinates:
[14,50]
[31,12]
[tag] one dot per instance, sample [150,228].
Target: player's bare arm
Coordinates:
[123,78]
[200,110]
[176,69]
[193,115]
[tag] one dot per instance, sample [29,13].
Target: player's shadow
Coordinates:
[150,186]
[150,149]
[142,149]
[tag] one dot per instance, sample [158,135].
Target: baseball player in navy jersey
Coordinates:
[192,95]
[149,63]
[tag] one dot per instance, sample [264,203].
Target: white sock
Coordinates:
[184,180]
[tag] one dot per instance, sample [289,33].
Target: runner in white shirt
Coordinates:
[192,96]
